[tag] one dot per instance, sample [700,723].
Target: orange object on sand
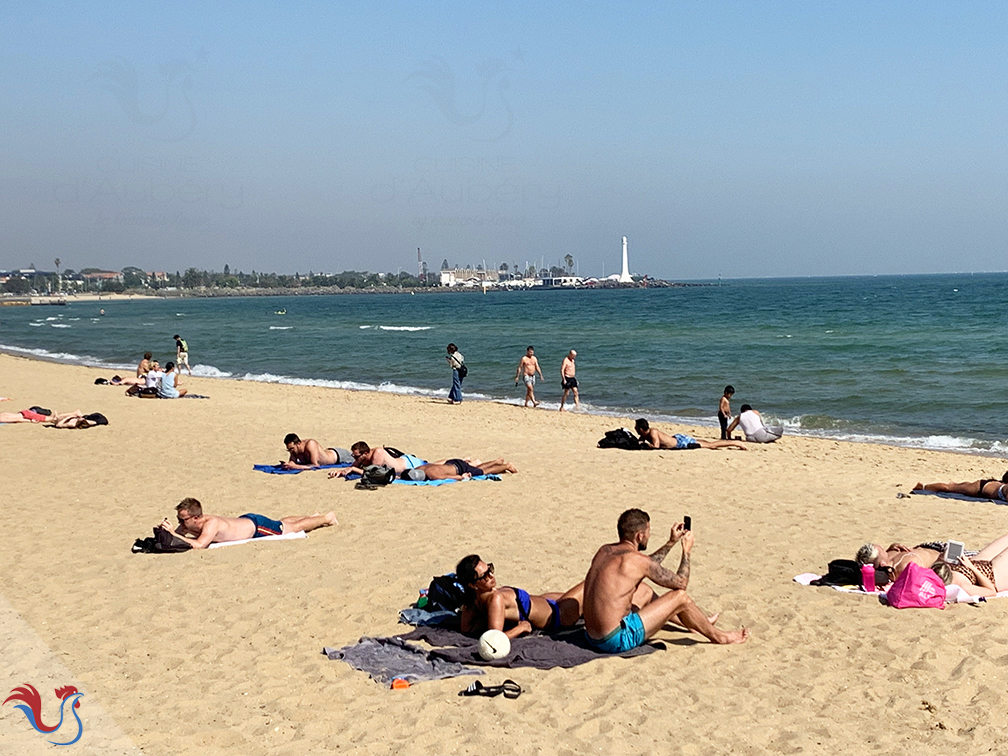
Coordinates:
[400,684]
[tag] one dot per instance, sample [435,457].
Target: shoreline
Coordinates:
[706,426]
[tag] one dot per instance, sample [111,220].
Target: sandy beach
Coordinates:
[219,652]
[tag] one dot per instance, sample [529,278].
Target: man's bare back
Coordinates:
[610,585]
[221,529]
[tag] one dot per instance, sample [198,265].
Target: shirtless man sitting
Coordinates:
[652,438]
[620,612]
[200,530]
[488,607]
[307,454]
[364,455]
[458,469]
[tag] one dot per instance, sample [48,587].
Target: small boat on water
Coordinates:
[280,312]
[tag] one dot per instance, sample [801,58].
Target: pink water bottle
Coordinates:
[868,578]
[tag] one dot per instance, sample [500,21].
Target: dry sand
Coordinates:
[218,652]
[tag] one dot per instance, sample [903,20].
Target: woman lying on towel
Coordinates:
[987,488]
[984,575]
[76,419]
[896,558]
[488,607]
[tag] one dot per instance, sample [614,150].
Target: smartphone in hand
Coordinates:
[687,522]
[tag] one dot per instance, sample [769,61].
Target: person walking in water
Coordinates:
[526,372]
[567,380]
[724,411]
[457,363]
[181,353]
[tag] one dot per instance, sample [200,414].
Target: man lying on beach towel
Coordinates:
[307,454]
[202,529]
[363,455]
[456,469]
[620,612]
[652,438]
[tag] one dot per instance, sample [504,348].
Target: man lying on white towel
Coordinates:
[200,530]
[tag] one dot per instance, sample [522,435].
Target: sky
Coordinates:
[740,139]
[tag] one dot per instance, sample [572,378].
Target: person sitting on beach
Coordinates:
[364,455]
[304,455]
[457,469]
[152,379]
[652,438]
[986,488]
[620,611]
[488,607]
[145,365]
[984,575]
[168,387]
[200,529]
[754,428]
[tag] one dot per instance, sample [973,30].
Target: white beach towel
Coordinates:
[284,537]
[953,593]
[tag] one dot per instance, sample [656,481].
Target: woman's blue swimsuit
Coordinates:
[525,607]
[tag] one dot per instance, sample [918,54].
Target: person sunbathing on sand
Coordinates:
[488,607]
[896,558]
[620,612]
[458,469]
[307,454]
[984,574]
[26,416]
[987,488]
[364,455]
[77,419]
[652,438]
[200,530]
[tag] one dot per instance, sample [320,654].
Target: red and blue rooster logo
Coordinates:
[32,708]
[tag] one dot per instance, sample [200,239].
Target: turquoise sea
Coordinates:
[917,361]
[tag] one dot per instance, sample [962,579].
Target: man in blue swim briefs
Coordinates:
[652,438]
[200,530]
[488,607]
[620,612]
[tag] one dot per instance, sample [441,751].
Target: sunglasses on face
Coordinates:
[489,571]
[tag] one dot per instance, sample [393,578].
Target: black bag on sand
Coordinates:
[163,542]
[841,572]
[374,476]
[620,438]
[445,592]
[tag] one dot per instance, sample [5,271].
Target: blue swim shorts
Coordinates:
[628,635]
[265,526]
[683,441]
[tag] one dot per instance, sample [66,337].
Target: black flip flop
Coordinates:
[509,688]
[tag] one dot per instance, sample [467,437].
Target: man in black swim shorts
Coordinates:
[567,380]
[457,469]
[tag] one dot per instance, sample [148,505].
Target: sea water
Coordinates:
[917,361]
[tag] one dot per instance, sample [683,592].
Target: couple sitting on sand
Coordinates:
[200,530]
[620,612]
[408,467]
[981,573]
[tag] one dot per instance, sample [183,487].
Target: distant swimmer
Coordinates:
[200,530]
[567,380]
[528,366]
[754,428]
[304,455]
[182,353]
[654,439]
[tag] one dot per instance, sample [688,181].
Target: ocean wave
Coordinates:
[54,317]
[65,357]
[396,328]
[209,371]
[280,328]
[61,325]
[36,325]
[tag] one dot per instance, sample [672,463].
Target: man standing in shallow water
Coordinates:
[567,380]
[527,369]
[620,612]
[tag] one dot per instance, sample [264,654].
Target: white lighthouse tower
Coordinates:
[625,275]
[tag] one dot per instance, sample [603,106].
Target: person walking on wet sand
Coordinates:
[457,363]
[567,380]
[528,366]
[181,353]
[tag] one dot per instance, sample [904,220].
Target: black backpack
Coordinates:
[163,542]
[445,592]
[463,371]
[841,572]
[620,438]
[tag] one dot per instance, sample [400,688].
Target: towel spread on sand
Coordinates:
[401,482]
[386,659]
[953,593]
[944,495]
[279,470]
[566,648]
[284,537]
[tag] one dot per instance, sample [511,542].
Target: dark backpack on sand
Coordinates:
[445,592]
[620,438]
[375,476]
[841,572]
[163,542]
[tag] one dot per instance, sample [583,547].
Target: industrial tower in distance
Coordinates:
[625,275]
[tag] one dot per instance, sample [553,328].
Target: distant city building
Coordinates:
[467,276]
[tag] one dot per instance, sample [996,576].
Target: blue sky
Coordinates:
[740,139]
